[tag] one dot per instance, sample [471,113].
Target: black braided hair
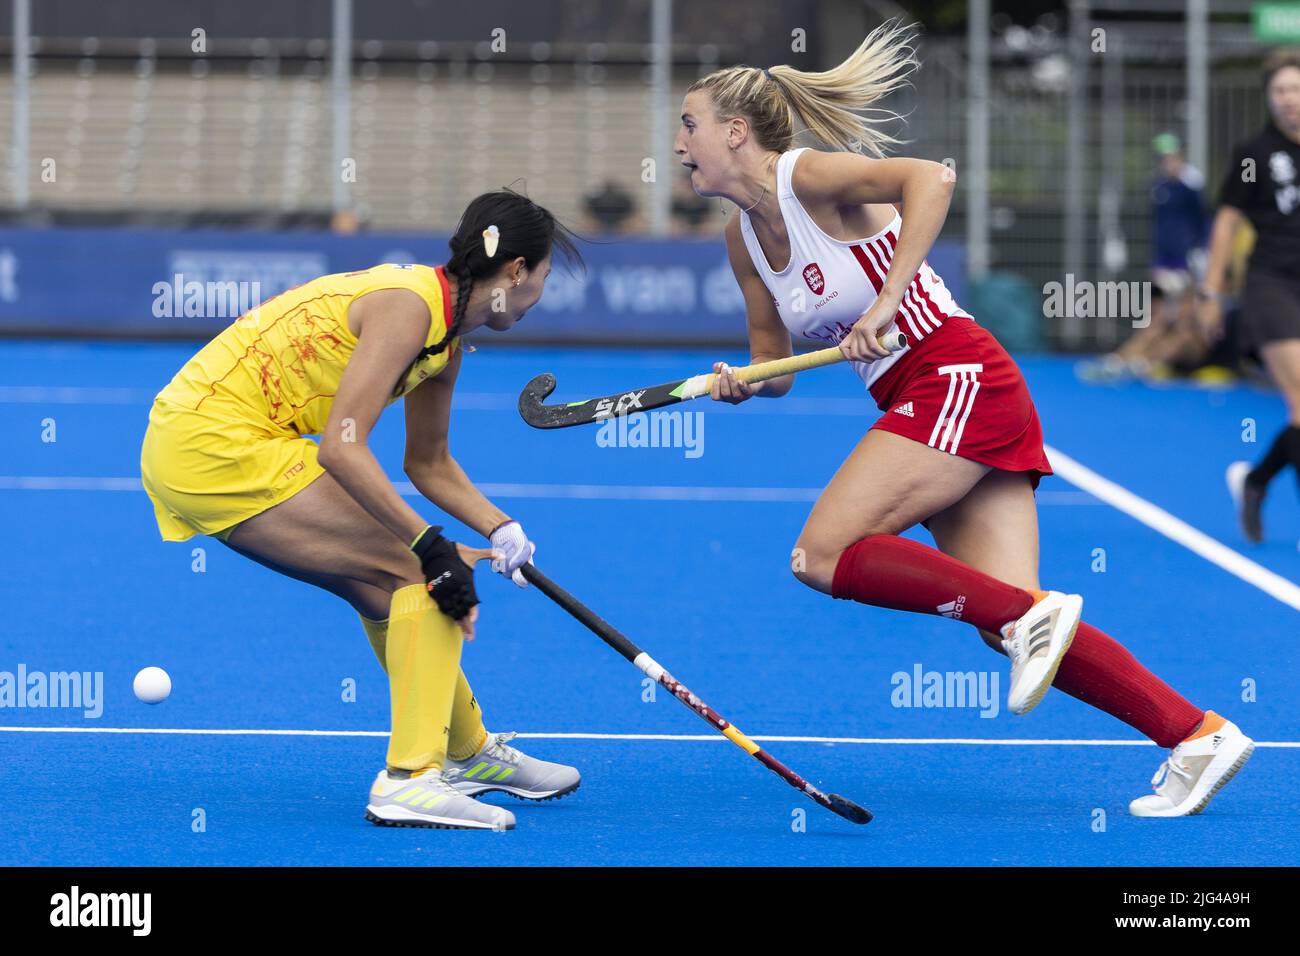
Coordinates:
[526,229]
[458,267]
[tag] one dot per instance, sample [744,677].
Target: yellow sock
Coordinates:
[468,735]
[467,731]
[377,634]
[422,651]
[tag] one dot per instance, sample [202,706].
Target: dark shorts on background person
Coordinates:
[1270,310]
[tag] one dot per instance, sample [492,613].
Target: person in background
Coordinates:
[610,209]
[345,222]
[1262,186]
[1172,340]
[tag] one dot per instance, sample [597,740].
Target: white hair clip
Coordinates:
[491,236]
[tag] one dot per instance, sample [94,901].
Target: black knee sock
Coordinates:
[1284,451]
[1295,449]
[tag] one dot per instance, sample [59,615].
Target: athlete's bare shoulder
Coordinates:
[825,177]
[848,179]
[393,306]
[830,187]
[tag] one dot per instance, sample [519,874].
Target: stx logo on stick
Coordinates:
[626,402]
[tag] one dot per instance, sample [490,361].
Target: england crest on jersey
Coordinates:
[812,274]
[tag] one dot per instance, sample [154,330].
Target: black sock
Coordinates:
[1295,449]
[1284,451]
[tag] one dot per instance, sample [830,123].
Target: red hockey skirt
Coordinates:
[959,391]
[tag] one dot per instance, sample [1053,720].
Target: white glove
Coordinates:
[516,549]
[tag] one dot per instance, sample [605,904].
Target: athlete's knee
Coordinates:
[816,563]
[813,565]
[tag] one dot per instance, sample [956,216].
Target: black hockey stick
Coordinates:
[834,802]
[657,396]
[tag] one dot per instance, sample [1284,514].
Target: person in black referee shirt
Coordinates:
[1263,186]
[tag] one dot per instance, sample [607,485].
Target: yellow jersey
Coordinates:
[279,365]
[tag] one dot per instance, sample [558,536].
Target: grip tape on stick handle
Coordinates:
[750,374]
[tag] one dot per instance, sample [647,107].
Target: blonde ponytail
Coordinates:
[829,104]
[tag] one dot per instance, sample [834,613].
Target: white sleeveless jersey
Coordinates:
[829,283]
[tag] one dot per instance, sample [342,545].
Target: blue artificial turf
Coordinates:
[703,585]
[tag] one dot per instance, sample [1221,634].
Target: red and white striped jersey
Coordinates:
[829,283]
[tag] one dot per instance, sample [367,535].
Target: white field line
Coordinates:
[1175,529]
[690,738]
[66,483]
[73,395]
[520,490]
[463,401]
[1093,488]
[862,407]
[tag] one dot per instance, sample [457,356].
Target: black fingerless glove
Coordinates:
[449,579]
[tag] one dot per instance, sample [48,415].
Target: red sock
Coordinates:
[1099,671]
[893,572]
[885,570]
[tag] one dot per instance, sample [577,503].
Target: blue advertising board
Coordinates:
[192,283]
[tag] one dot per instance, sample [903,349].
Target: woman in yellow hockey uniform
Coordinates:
[225,455]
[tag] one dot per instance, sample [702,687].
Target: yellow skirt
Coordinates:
[205,473]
